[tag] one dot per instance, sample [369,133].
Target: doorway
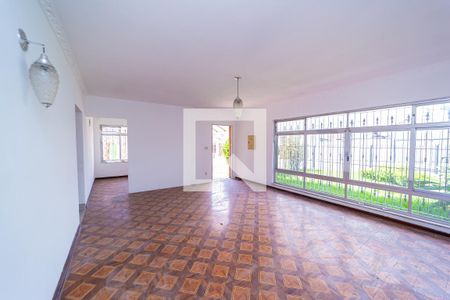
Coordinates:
[221,151]
[80,158]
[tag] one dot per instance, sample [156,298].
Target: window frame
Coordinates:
[120,134]
[410,190]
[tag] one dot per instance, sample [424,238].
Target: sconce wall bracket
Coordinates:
[24,42]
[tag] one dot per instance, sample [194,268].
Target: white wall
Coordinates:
[417,84]
[38,177]
[79,136]
[155,141]
[242,130]
[88,155]
[102,169]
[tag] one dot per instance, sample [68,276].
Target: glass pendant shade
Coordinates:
[44,80]
[237,106]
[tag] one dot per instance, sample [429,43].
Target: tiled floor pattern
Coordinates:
[237,244]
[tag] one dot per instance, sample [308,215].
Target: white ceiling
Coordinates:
[187,52]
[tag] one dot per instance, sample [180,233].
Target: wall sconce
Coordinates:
[43,76]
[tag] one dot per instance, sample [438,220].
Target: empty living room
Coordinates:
[253,149]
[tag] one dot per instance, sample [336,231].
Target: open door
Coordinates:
[221,151]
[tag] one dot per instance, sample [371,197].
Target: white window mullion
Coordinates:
[412,159]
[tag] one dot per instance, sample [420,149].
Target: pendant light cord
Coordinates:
[237,85]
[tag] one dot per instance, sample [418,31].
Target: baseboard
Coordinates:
[65,272]
[110,177]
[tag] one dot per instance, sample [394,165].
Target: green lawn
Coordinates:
[397,201]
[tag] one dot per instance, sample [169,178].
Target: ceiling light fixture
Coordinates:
[237,103]
[43,76]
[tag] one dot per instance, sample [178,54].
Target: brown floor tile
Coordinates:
[155,297]
[121,257]
[267,295]
[265,249]
[84,269]
[123,275]
[245,259]
[205,253]
[190,286]
[187,251]
[80,291]
[318,285]
[292,282]
[225,256]
[130,295]
[103,272]
[267,277]
[199,267]
[144,278]
[238,244]
[210,243]
[266,262]
[105,293]
[169,249]
[220,271]
[167,282]
[288,264]
[246,247]
[215,290]
[240,293]
[247,237]
[152,247]
[243,274]
[158,262]
[178,265]
[140,259]
[104,254]
[135,245]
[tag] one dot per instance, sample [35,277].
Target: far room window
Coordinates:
[114,143]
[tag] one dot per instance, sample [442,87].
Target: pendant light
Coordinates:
[43,76]
[237,103]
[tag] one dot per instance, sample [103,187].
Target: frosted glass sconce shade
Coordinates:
[44,80]
[43,76]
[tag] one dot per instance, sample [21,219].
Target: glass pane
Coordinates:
[380,157]
[124,147]
[325,154]
[327,122]
[432,168]
[110,147]
[325,186]
[387,199]
[431,207]
[293,125]
[433,113]
[110,129]
[381,117]
[289,180]
[291,152]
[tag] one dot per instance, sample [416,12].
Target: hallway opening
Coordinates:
[221,150]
